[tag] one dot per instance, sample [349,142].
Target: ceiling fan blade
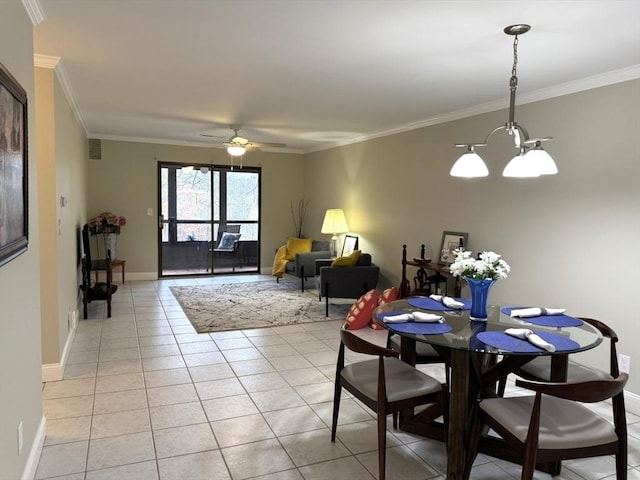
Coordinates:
[211,136]
[269,144]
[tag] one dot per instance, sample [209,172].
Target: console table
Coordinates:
[422,280]
[116,263]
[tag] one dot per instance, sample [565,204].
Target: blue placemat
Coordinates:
[418,328]
[506,342]
[427,303]
[547,320]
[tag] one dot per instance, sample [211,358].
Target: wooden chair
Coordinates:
[553,425]
[97,290]
[539,369]
[385,385]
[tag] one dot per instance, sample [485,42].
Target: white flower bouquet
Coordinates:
[489,266]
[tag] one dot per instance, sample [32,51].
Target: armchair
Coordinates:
[346,282]
[303,265]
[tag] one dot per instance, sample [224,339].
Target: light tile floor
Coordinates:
[144,397]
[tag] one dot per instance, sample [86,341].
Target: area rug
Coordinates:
[237,306]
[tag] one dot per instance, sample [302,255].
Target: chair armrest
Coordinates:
[588,391]
[307,262]
[322,262]
[348,282]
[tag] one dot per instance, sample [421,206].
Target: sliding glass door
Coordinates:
[210,220]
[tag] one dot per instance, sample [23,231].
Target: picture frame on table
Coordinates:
[14,214]
[350,245]
[451,241]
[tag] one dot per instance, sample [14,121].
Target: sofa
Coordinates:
[348,281]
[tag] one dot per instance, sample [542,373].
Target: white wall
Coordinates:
[20,361]
[571,239]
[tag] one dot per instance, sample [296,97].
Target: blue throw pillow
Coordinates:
[227,241]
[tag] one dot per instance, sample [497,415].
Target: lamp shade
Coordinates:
[542,160]
[236,150]
[469,165]
[334,222]
[521,166]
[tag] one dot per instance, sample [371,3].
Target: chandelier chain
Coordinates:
[514,69]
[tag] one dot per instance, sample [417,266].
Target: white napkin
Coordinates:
[526,334]
[536,312]
[414,317]
[448,302]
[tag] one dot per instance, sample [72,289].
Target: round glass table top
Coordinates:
[458,331]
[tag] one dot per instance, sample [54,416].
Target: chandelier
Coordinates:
[531,160]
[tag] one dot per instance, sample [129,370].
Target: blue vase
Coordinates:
[479,296]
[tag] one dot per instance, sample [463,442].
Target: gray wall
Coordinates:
[125,183]
[571,239]
[568,238]
[20,361]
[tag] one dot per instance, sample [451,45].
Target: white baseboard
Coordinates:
[137,276]
[36,450]
[632,403]
[53,372]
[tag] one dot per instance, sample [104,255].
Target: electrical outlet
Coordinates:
[20,438]
[624,363]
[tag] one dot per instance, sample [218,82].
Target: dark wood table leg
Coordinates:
[458,414]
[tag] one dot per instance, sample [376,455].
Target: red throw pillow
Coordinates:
[361,312]
[389,295]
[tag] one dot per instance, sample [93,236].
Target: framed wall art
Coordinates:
[451,241]
[14,205]
[350,244]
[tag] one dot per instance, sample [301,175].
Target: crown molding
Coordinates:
[34,10]
[588,83]
[164,141]
[57,65]
[45,61]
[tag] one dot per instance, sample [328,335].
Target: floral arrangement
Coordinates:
[489,266]
[106,222]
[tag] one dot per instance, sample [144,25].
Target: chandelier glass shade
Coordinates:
[532,160]
[236,150]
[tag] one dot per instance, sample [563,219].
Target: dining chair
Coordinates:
[553,425]
[385,385]
[540,367]
[425,355]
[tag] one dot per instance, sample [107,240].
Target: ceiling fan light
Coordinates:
[542,160]
[521,167]
[469,165]
[236,150]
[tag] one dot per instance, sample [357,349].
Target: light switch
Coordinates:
[149,212]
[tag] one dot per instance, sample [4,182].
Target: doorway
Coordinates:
[209,220]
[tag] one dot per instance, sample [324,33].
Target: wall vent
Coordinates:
[95,149]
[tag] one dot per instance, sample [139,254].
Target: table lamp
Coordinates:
[333,224]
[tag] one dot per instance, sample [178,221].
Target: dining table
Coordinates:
[479,355]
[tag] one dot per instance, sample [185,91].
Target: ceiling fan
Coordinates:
[237,146]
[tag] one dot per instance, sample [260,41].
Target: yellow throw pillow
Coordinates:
[348,261]
[297,245]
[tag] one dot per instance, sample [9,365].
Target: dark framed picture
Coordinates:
[350,244]
[451,241]
[14,207]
